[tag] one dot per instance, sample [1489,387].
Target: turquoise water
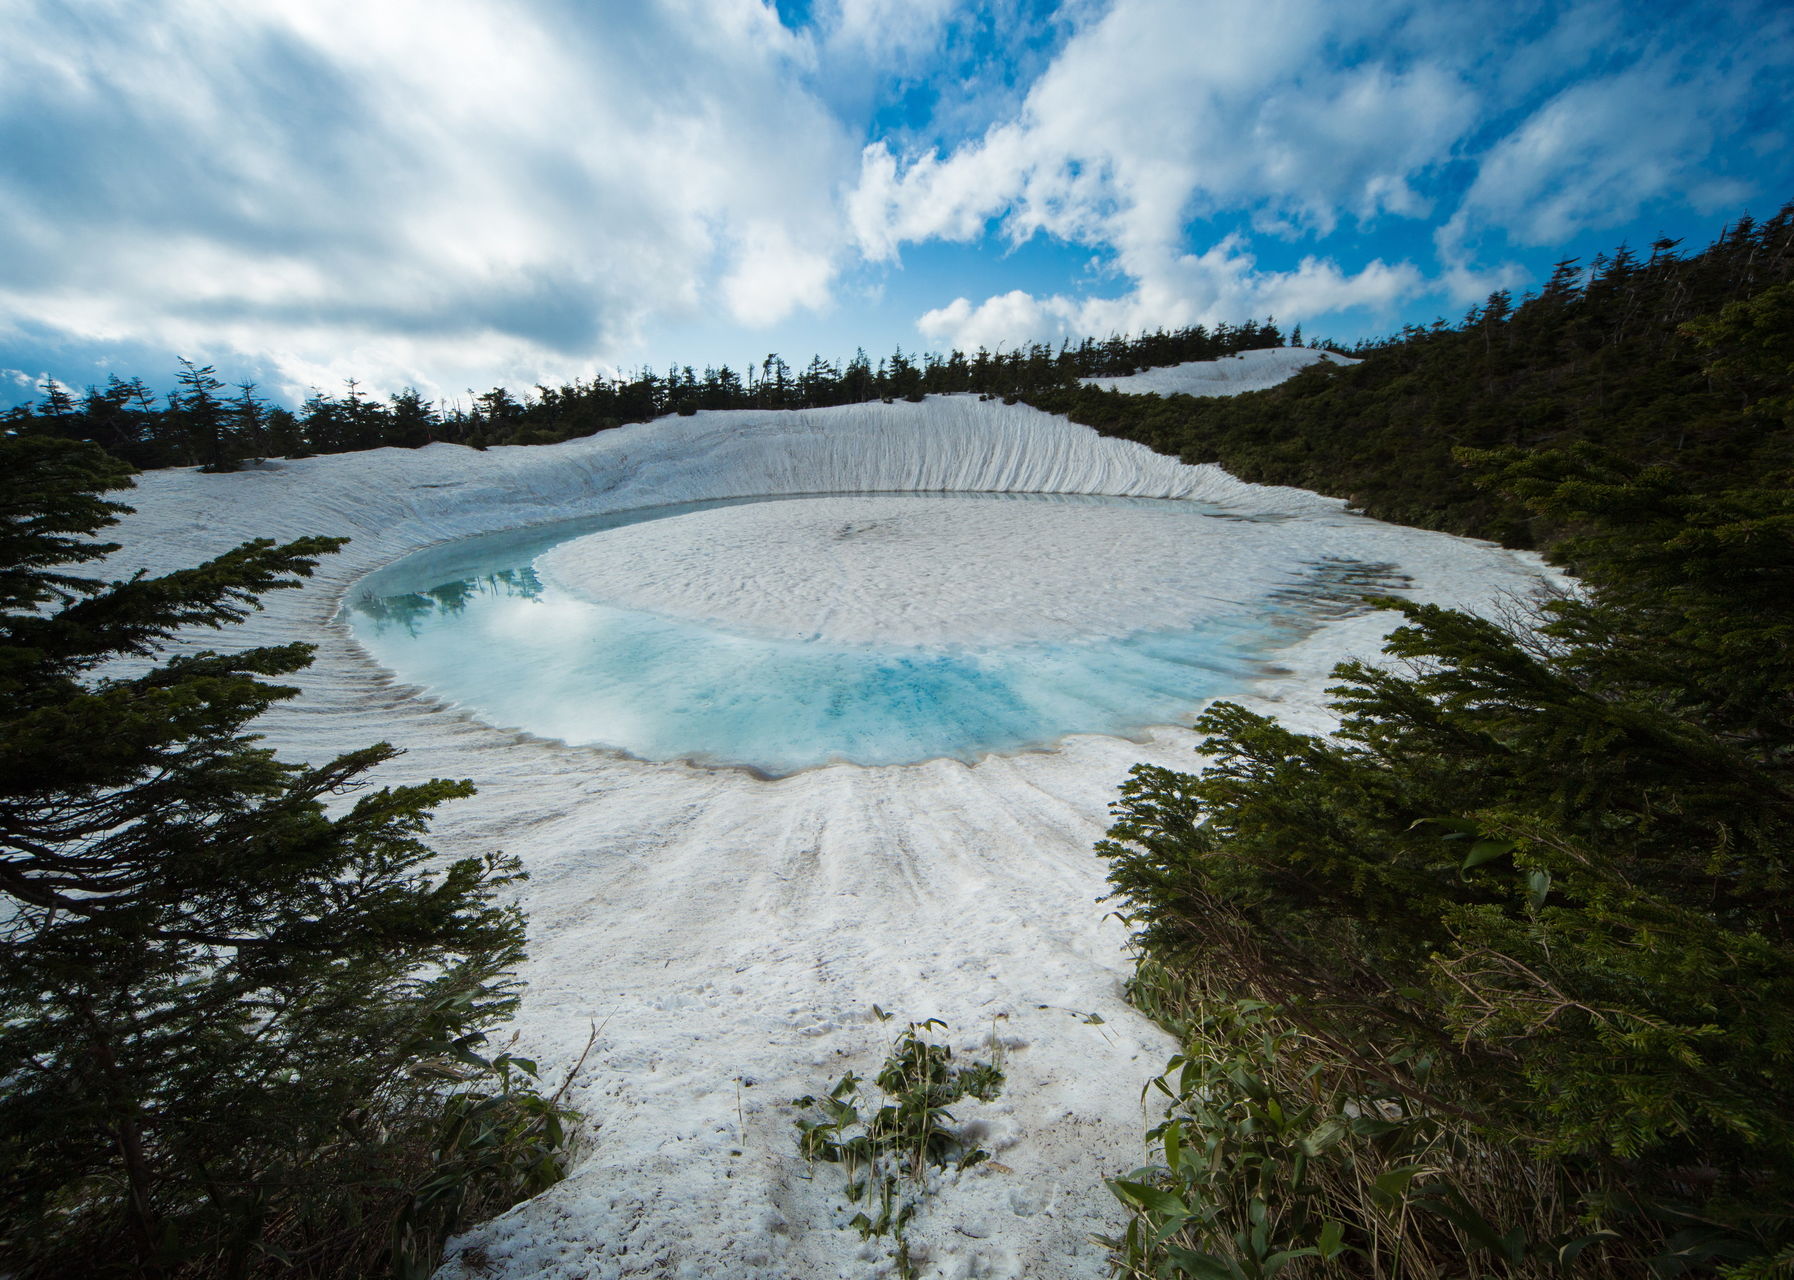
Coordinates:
[470,622]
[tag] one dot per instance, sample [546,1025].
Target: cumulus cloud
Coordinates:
[1159,113]
[1171,109]
[1301,119]
[413,187]
[445,192]
[934,69]
[1002,320]
[772,276]
[884,32]
[1220,285]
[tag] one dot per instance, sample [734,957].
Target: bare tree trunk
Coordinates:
[127,1133]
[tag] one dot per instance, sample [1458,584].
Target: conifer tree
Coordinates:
[414,420]
[229,1004]
[199,417]
[57,401]
[248,421]
[1552,865]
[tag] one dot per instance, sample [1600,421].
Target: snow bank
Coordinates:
[920,571]
[1248,371]
[729,936]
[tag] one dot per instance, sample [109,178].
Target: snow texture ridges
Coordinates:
[729,935]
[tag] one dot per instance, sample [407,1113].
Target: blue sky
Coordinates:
[453,194]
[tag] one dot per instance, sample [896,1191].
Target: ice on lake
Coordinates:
[872,629]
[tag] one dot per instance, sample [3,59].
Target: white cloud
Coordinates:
[934,199]
[1601,150]
[1160,112]
[1221,285]
[1303,118]
[1005,320]
[772,277]
[887,33]
[415,189]
[447,192]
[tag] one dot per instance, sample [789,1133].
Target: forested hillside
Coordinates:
[1668,358]
[203,423]
[1497,979]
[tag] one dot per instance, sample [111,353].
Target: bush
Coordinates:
[1554,866]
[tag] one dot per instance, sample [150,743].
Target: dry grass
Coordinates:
[1279,1156]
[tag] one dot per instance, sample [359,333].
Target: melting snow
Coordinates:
[1248,371]
[729,935]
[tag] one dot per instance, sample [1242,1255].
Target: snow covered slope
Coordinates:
[729,935]
[1247,371]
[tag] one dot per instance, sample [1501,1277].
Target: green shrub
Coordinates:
[1544,867]
[1280,1154]
[1553,862]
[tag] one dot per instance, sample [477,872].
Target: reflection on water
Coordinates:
[409,608]
[471,622]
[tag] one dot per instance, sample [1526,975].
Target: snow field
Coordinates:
[918,570]
[1248,371]
[729,934]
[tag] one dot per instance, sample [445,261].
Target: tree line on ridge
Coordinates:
[205,423]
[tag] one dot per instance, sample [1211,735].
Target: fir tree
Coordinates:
[227,1011]
[200,417]
[1553,866]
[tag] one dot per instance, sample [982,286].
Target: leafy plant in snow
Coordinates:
[887,1141]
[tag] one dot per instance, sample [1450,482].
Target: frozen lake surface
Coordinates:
[870,629]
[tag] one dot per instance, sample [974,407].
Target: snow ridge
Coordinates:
[394,500]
